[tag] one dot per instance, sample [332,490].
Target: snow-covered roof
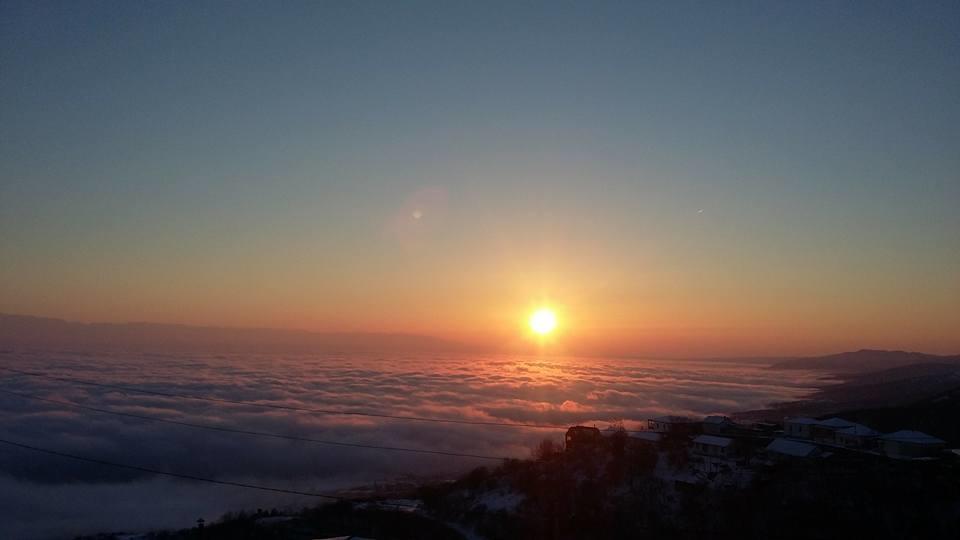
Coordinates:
[916,437]
[836,423]
[651,436]
[791,448]
[716,419]
[802,420]
[859,430]
[713,440]
[672,419]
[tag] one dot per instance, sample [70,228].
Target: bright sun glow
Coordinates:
[543,321]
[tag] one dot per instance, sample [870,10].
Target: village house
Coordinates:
[799,428]
[764,428]
[906,444]
[712,446]
[825,431]
[582,437]
[781,448]
[674,425]
[644,438]
[718,425]
[857,436]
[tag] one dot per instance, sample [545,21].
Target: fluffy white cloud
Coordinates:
[87,497]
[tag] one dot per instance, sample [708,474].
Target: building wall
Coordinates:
[717,429]
[823,434]
[801,431]
[910,450]
[709,450]
[857,441]
[582,438]
[670,427]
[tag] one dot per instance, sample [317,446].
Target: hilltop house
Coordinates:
[799,428]
[644,438]
[825,431]
[582,437]
[906,444]
[676,425]
[857,436]
[712,446]
[718,425]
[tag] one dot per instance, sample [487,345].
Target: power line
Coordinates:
[288,407]
[255,433]
[181,476]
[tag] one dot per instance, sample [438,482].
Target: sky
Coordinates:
[746,178]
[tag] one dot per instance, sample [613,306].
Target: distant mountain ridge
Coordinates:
[875,388]
[865,360]
[21,331]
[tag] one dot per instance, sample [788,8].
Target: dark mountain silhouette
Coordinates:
[25,332]
[894,386]
[898,387]
[865,360]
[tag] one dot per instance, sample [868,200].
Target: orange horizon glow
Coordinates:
[585,334]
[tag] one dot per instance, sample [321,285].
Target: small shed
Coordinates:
[581,437]
[906,444]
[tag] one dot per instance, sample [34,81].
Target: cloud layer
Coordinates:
[52,495]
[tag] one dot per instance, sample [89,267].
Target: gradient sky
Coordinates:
[729,178]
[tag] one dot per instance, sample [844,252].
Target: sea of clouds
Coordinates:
[44,496]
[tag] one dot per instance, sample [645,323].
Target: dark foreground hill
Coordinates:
[337,520]
[602,496]
[614,492]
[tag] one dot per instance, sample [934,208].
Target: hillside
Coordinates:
[937,415]
[864,360]
[605,495]
[901,386]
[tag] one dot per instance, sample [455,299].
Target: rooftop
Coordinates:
[917,437]
[836,423]
[673,419]
[791,448]
[859,430]
[583,428]
[803,420]
[713,440]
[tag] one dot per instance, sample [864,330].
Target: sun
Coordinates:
[543,321]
